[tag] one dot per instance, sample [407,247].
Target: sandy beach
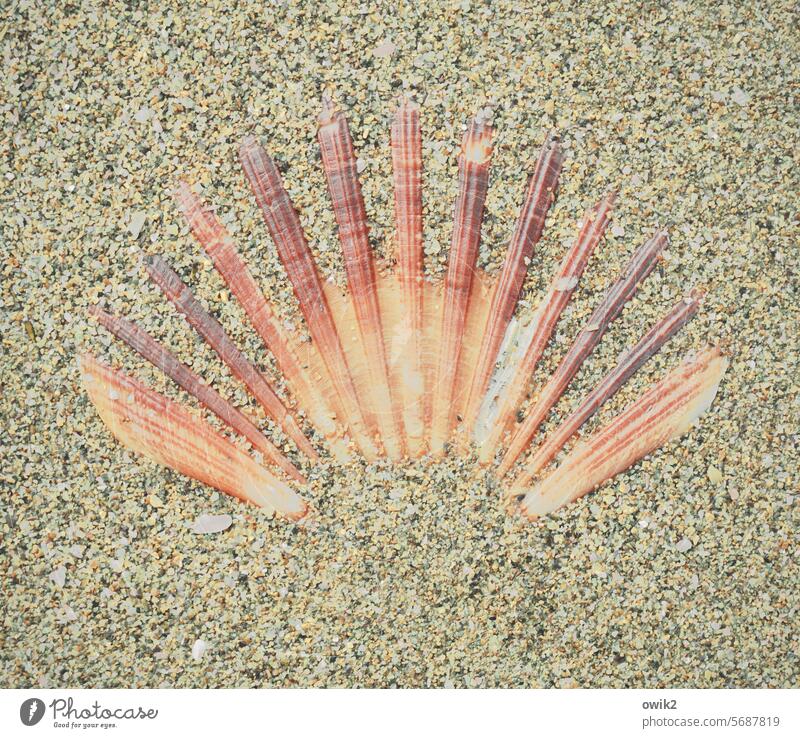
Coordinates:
[683,571]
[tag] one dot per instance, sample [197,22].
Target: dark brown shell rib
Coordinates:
[642,263]
[290,241]
[143,343]
[210,329]
[162,430]
[539,197]
[339,162]
[473,182]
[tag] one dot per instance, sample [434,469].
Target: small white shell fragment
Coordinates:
[740,97]
[212,523]
[566,283]
[59,575]
[135,224]
[142,115]
[381,51]
[198,649]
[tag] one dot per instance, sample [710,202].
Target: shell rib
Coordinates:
[525,340]
[143,343]
[406,139]
[339,163]
[663,413]
[209,328]
[642,263]
[539,197]
[162,430]
[631,361]
[219,246]
[473,178]
[290,241]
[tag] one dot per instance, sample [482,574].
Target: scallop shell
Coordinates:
[400,365]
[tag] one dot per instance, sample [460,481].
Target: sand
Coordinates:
[681,572]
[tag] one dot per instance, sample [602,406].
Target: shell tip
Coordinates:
[328,110]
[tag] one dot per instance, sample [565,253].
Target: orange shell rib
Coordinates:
[540,196]
[219,246]
[525,340]
[290,241]
[164,431]
[406,140]
[473,177]
[159,356]
[640,265]
[339,163]
[210,329]
[663,413]
[630,362]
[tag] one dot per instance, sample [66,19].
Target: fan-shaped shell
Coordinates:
[400,364]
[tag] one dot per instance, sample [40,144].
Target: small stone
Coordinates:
[198,649]
[740,97]
[59,575]
[142,115]
[136,222]
[714,474]
[683,545]
[384,50]
[155,501]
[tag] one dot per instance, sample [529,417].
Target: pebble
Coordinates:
[198,649]
[136,223]
[59,575]
[212,523]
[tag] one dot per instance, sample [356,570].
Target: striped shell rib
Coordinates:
[663,413]
[290,241]
[219,246]
[214,334]
[406,138]
[525,340]
[640,265]
[143,343]
[539,197]
[339,163]
[162,430]
[473,180]
[608,386]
